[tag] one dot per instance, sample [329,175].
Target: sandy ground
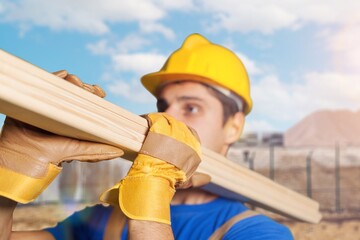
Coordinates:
[290,172]
[329,230]
[333,227]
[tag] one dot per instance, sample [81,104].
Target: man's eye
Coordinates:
[161,105]
[191,109]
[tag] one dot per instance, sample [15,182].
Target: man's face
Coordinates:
[193,104]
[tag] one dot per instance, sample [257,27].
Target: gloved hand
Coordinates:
[167,160]
[30,158]
[198,179]
[76,81]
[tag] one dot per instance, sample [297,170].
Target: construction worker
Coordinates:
[205,86]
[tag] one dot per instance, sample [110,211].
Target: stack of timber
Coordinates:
[35,96]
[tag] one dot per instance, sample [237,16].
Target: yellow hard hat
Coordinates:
[200,60]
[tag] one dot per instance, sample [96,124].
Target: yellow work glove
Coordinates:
[168,158]
[198,179]
[95,89]
[30,158]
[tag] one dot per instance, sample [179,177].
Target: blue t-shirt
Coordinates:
[187,221]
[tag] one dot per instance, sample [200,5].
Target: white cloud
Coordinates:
[129,63]
[345,48]
[331,90]
[183,5]
[271,98]
[81,15]
[130,90]
[151,27]
[244,16]
[290,102]
[340,18]
[251,67]
[100,48]
[131,66]
[267,17]
[139,63]
[132,42]
[129,43]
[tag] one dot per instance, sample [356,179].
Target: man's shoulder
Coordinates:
[259,227]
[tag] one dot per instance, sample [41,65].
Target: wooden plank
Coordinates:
[37,97]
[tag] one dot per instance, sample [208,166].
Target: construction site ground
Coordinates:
[334,226]
[341,216]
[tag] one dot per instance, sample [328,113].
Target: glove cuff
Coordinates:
[146,192]
[151,203]
[22,188]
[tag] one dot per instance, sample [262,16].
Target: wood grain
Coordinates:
[31,94]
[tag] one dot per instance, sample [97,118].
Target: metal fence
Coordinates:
[331,176]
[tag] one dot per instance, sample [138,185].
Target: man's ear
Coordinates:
[234,127]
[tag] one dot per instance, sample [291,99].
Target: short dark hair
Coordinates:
[230,107]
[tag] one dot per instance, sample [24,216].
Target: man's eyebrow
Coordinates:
[184,98]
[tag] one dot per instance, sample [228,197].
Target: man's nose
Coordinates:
[173,111]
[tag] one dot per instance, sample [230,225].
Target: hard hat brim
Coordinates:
[154,81]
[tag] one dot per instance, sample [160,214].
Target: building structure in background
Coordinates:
[254,139]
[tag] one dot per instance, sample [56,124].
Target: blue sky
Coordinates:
[302,56]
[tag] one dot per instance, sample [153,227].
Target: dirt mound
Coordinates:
[326,129]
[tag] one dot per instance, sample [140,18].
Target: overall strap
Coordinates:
[115,225]
[220,232]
